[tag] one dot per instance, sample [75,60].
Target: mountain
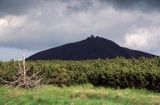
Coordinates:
[90,48]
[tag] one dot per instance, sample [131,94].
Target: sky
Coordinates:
[29,26]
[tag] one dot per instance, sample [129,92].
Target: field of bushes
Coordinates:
[139,73]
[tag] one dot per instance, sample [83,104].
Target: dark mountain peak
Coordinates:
[94,47]
[91,37]
[100,41]
[95,38]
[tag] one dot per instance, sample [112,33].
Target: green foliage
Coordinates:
[116,73]
[8,70]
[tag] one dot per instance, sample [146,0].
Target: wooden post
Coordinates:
[24,70]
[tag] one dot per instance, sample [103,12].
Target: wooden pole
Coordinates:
[24,70]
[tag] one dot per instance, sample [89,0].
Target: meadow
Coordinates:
[85,94]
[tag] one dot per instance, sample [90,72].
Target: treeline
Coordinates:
[116,73]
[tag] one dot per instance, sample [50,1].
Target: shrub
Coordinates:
[117,73]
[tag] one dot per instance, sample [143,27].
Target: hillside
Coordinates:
[90,48]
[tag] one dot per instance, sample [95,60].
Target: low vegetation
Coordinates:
[116,73]
[77,95]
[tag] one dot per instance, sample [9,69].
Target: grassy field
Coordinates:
[77,95]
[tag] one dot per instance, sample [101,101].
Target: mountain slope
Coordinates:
[90,48]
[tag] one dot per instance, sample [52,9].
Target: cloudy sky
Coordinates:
[28,26]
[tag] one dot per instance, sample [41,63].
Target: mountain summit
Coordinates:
[90,48]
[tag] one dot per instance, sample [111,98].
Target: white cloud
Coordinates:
[7,25]
[11,21]
[144,39]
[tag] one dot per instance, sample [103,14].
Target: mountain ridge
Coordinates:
[88,49]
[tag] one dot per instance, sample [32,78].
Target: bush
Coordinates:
[117,73]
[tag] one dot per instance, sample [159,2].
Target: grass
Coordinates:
[77,95]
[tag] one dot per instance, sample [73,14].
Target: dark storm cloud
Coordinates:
[16,7]
[144,5]
[85,5]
